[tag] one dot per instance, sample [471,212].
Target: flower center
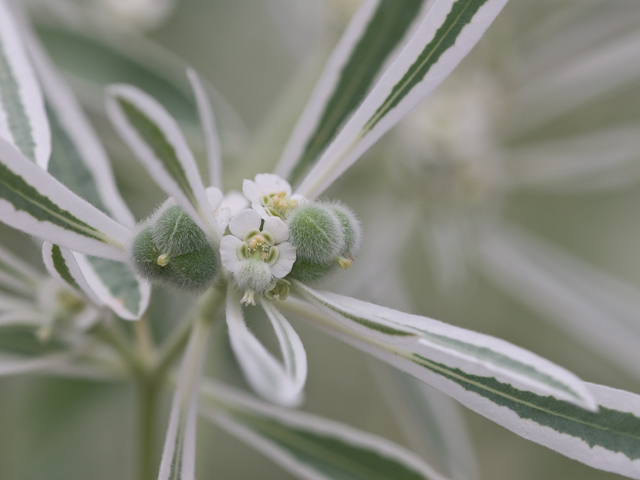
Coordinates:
[259,245]
[278,204]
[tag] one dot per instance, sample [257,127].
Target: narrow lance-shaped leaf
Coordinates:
[448,32]
[208,125]
[607,438]
[179,452]
[376,32]
[33,201]
[266,375]
[310,447]
[154,136]
[79,161]
[23,121]
[62,265]
[291,347]
[425,341]
[16,275]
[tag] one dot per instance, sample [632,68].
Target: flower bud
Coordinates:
[173,250]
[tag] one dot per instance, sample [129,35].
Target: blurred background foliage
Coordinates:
[263,57]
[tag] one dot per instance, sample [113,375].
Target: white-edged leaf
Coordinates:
[291,347]
[436,345]
[78,158]
[607,439]
[23,121]
[11,364]
[179,452]
[116,286]
[601,159]
[266,375]
[598,309]
[62,265]
[448,32]
[432,422]
[17,275]
[26,317]
[373,37]
[33,201]
[155,137]
[310,447]
[208,124]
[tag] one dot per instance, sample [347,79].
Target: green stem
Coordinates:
[148,404]
[208,307]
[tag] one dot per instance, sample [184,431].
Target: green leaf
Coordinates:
[310,447]
[24,122]
[446,35]
[375,33]
[33,201]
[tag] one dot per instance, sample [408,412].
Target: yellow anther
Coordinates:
[343,262]
[163,260]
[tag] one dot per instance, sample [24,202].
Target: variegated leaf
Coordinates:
[179,452]
[23,121]
[62,265]
[79,161]
[154,136]
[606,438]
[266,375]
[374,35]
[448,32]
[33,201]
[208,125]
[311,447]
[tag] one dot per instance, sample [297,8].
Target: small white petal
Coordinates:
[284,264]
[271,183]
[243,222]
[223,215]
[214,197]
[229,252]
[261,210]
[276,227]
[235,202]
[251,190]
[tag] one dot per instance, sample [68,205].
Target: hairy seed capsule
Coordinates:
[316,233]
[351,231]
[307,271]
[173,250]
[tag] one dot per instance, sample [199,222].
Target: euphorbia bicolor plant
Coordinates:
[264,247]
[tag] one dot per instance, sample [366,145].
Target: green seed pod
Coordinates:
[351,230]
[307,271]
[316,233]
[173,250]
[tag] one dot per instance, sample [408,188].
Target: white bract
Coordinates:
[256,256]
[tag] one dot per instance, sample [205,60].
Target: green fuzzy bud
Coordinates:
[254,275]
[316,233]
[351,230]
[307,271]
[173,250]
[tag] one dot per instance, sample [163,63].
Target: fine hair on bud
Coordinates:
[171,249]
[351,230]
[307,271]
[316,232]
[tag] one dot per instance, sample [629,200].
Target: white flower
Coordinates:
[225,207]
[270,195]
[256,257]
